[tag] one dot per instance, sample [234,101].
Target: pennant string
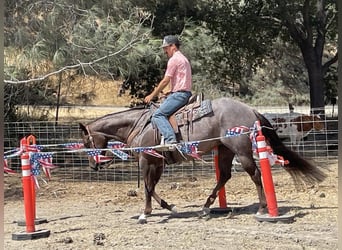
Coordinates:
[43,160]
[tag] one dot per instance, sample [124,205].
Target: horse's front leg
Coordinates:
[152,174]
[149,189]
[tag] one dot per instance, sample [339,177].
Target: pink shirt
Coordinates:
[179,70]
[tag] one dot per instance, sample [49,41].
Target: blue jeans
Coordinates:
[170,105]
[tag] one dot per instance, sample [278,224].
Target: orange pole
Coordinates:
[31,140]
[33,184]
[266,175]
[28,195]
[23,144]
[222,191]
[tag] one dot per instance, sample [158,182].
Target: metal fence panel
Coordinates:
[74,166]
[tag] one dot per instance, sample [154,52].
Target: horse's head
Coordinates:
[93,140]
[308,122]
[318,123]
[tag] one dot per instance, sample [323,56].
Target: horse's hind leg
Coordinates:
[164,204]
[158,171]
[248,164]
[151,179]
[225,159]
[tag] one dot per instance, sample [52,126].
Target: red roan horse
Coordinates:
[133,127]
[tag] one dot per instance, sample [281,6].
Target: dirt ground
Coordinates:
[104,215]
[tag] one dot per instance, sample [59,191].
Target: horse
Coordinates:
[295,126]
[134,128]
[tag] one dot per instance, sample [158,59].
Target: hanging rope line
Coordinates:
[43,160]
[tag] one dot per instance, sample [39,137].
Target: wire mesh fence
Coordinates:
[73,166]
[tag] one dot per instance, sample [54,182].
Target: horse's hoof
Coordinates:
[260,213]
[142,219]
[205,214]
[206,211]
[174,209]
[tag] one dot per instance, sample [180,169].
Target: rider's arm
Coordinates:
[162,84]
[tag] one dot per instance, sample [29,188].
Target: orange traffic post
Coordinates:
[222,191]
[267,175]
[31,140]
[28,195]
[268,184]
[25,144]
[29,198]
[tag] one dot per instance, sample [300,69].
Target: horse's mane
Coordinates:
[110,115]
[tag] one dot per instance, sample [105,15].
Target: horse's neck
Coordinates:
[138,127]
[119,125]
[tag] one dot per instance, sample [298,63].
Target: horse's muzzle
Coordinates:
[98,166]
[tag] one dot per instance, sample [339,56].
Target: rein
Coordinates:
[133,132]
[91,139]
[97,133]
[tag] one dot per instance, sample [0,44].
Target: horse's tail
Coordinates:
[302,171]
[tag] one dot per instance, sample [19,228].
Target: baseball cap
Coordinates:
[169,40]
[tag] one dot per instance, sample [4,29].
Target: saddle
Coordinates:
[195,109]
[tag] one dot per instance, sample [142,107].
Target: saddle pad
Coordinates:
[191,114]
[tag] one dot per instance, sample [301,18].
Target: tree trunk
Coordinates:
[317,89]
[314,66]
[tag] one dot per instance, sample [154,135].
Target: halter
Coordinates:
[91,139]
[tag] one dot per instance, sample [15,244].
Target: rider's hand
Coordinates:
[148,98]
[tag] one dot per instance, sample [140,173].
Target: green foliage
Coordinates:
[242,49]
[105,38]
[247,30]
[170,16]
[243,32]
[280,80]
[331,88]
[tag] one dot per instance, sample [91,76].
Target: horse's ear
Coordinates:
[83,128]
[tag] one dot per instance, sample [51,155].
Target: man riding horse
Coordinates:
[178,72]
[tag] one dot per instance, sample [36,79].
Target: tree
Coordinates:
[170,16]
[46,38]
[247,30]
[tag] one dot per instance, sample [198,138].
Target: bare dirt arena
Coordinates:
[104,216]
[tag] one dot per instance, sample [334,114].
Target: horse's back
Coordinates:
[234,112]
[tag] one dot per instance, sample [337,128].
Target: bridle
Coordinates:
[91,139]
[131,134]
